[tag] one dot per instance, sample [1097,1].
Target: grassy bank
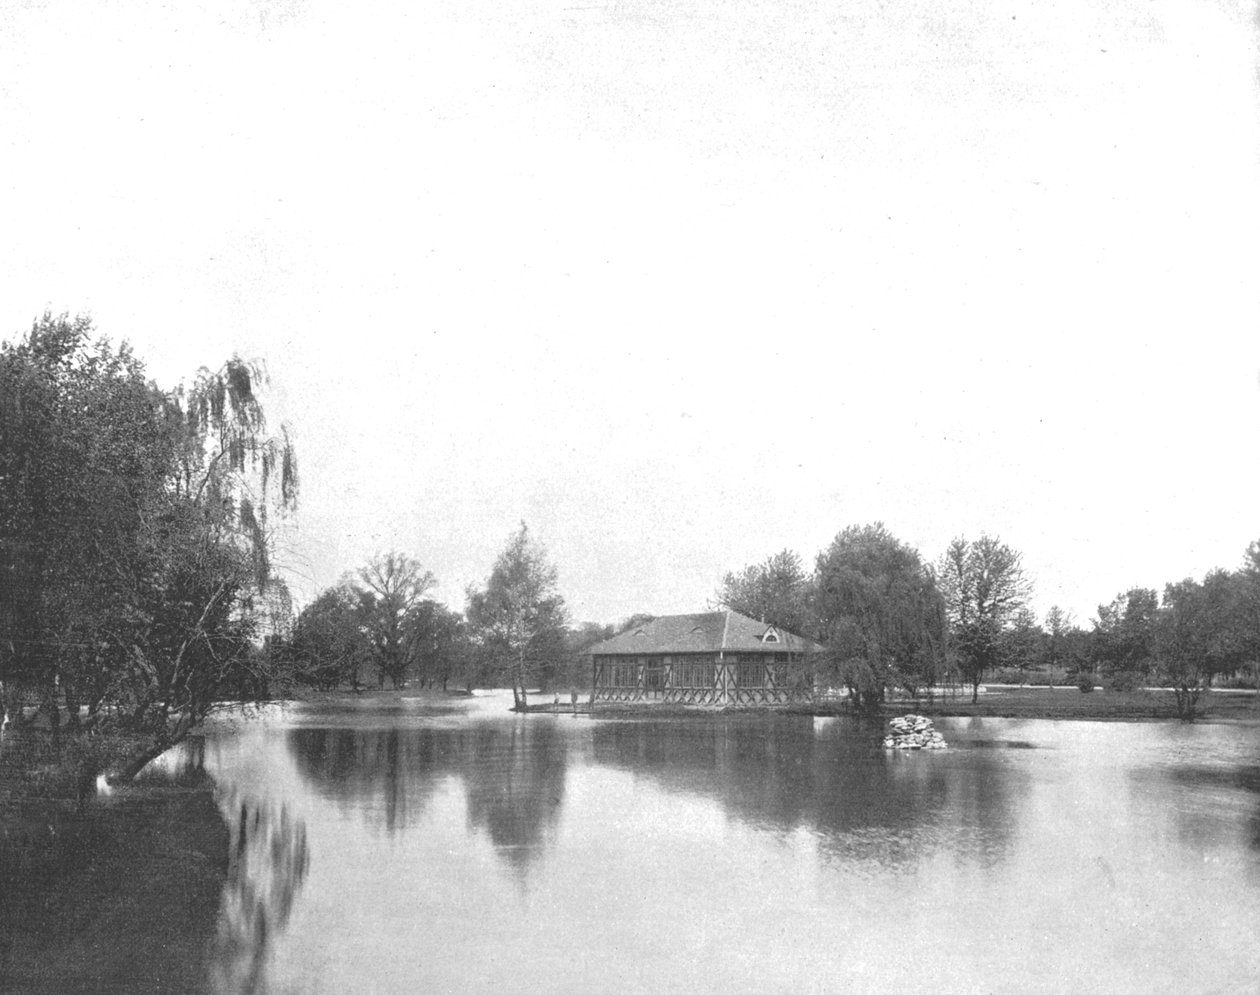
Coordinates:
[1067,703]
[111,894]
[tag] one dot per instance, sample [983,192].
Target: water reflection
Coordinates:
[1215,803]
[268,863]
[513,774]
[774,773]
[383,774]
[834,780]
[515,779]
[483,851]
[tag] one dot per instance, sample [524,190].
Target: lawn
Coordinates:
[1004,701]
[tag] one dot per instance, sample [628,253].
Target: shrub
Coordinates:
[1085,682]
[1244,679]
[1124,680]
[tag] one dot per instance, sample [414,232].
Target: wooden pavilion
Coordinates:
[713,658]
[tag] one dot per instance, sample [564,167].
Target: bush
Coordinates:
[1243,680]
[1124,680]
[1085,682]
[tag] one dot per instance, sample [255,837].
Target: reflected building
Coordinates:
[784,773]
[774,772]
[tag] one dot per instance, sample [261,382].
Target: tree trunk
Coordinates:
[72,704]
[138,761]
[520,679]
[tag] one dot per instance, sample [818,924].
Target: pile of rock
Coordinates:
[913,732]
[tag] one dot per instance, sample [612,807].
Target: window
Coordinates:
[693,673]
[750,672]
[770,635]
[619,673]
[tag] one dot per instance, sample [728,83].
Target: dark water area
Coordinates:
[461,848]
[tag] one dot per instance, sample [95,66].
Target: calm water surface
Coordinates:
[414,847]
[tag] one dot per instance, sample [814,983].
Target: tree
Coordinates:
[202,586]
[84,450]
[329,646]
[442,643]
[984,585]
[134,535]
[1249,609]
[1125,632]
[577,644]
[392,588]
[879,613]
[1197,637]
[1023,643]
[518,618]
[1057,624]
[776,591]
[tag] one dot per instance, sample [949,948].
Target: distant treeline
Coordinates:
[892,621]
[137,526]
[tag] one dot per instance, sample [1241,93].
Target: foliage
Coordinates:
[985,587]
[1124,680]
[1124,632]
[1066,643]
[880,614]
[329,648]
[442,648]
[134,532]
[391,589]
[578,641]
[1023,643]
[1197,637]
[776,591]
[517,619]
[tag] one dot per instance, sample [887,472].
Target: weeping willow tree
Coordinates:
[135,532]
[882,617]
[205,590]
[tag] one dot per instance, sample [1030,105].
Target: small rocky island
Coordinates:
[913,732]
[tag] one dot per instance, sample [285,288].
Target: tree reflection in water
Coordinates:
[268,863]
[513,774]
[388,774]
[834,780]
[515,787]
[780,773]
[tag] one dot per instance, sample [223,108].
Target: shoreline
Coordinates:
[119,894]
[1067,703]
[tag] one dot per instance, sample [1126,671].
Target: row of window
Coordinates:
[747,673]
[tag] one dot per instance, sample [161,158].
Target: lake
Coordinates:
[456,847]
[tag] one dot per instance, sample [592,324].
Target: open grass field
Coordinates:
[1071,703]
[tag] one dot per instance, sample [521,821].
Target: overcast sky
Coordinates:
[679,284]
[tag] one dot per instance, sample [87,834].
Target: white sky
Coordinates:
[680,284]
